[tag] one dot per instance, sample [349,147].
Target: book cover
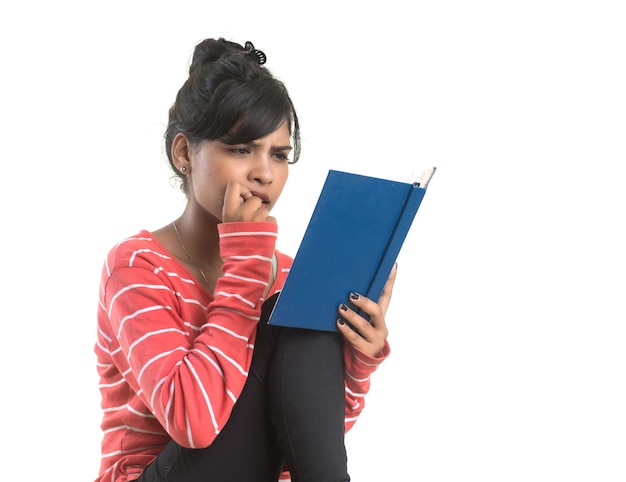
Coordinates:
[351,243]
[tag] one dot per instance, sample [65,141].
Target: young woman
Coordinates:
[195,385]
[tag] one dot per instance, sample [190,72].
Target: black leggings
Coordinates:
[291,410]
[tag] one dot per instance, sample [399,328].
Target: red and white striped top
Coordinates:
[172,359]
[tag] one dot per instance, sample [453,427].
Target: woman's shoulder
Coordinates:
[135,250]
[141,240]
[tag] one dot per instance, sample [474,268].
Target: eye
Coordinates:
[281,156]
[239,150]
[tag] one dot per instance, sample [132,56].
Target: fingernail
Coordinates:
[354,296]
[341,321]
[343,307]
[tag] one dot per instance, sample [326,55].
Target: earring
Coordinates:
[183,169]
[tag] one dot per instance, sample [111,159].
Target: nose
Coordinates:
[261,169]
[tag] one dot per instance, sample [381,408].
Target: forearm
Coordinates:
[189,362]
[358,370]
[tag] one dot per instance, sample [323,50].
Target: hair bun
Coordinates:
[211,50]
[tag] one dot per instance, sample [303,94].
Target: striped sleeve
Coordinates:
[190,383]
[358,369]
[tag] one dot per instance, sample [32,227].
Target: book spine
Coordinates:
[396,239]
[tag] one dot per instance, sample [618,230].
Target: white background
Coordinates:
[507,323]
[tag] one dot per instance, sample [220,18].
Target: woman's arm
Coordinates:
[190,383]
[366,348]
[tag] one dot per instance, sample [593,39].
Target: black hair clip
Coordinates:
[256,54]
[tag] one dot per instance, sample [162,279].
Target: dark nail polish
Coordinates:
[354,296]
[343,307]
[341,321]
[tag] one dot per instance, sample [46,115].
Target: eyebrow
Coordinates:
[283,148]
[278,148]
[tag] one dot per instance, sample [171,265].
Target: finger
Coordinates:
[351,336]
[233,199]
[240,205]
[370,326]
[365,305]
[251,208]
[374,311]
[369,347]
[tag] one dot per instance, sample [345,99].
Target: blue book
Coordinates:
[351,243]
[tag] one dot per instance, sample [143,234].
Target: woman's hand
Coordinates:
[241,205]
[371,335]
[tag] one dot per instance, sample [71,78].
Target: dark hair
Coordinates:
[231,97]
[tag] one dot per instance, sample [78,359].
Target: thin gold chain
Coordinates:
[189,257]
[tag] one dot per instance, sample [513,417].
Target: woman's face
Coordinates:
[260,167]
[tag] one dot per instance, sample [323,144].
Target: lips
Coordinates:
[263,197]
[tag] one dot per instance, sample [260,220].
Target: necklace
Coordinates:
[189,257]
